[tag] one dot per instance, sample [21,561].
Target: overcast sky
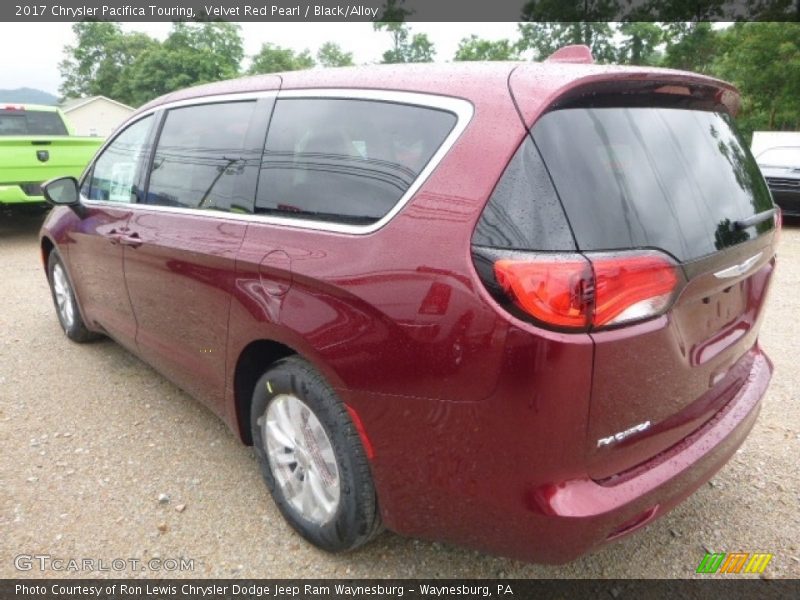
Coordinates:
[31,51]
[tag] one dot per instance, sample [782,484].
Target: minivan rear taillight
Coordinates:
[579,292]
[552,289]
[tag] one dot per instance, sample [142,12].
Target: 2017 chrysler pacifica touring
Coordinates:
[511,306]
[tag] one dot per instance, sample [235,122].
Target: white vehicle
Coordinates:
[778,156]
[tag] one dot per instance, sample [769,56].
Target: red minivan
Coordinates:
[510,306]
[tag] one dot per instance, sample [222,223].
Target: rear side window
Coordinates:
[31,122]
[668,178]
[523,212]
[345,160]
[201,156]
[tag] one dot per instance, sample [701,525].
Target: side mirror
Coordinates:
[62,191]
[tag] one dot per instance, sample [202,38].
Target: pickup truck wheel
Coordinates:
[312,459]
[64,299]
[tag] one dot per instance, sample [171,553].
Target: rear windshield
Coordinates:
[31,122]
[668,178]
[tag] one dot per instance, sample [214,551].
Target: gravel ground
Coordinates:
[91,437]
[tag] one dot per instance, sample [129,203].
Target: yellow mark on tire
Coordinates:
[269,387]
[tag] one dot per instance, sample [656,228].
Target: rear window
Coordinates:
[30,122]
[669,178]
[345,160]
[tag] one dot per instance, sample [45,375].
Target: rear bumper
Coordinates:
[586,513]
[480,479]
[14,194]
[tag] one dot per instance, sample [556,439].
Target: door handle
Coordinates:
[130,239]
[114,235]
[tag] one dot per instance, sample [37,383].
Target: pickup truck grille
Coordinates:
[783,183]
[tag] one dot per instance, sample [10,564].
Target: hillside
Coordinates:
[27,96]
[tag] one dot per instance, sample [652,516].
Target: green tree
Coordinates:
[392,20]
[405,47]
[192,54]
[696,10]
[557,23]
[763,61]
[639,42]
[274,59]
[419,49]
[544,38]
[691,46]
[134,68]
[100,62]
[475,48]
[331,55]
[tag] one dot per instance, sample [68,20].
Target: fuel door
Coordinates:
[275,273]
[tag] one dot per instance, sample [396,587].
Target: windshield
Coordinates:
[787,156]
[31,122]
[669,178]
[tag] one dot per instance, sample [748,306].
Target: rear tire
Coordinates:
[312,459]
[64,300]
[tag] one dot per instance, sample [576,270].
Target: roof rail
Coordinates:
[577,54]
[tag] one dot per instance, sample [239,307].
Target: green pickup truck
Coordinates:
[37,144]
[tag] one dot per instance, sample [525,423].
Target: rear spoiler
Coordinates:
[569,74]
[577,54]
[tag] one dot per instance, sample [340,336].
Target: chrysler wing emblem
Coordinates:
[740,269]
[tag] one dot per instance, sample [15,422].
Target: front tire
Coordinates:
[64,299]
[312,459]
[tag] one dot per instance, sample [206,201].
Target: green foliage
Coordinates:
[544,38]
[475,48]
[571,10]
[559,23]
[405,48]
[331,55]
[274,59]
[192,54]
[675,10]
[101,60]
[639,43]
[763,61]
[133,68]
[690,46]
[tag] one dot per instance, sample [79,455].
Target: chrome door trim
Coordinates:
[462,109]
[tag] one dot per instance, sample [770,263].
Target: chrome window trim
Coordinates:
[461,108]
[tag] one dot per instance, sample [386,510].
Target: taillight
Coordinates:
[14,107]
[631,288]
[778,223]
[582,292]
[551,290]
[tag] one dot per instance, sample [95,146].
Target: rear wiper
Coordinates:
[754,220]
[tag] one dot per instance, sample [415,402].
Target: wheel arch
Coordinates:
[46,246]
[258,355]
